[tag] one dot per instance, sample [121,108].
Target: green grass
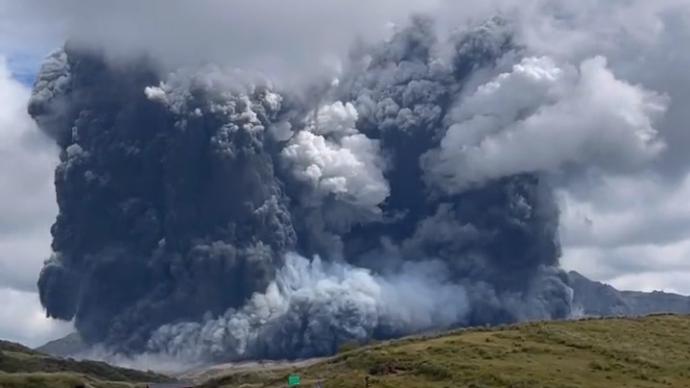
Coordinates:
[644,352]
[23,367]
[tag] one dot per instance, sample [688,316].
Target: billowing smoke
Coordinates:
[494,128]
[206,214]
[311,307]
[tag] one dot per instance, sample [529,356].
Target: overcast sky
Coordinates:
[630,229]
[27,209]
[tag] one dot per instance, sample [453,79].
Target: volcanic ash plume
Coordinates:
[206,214]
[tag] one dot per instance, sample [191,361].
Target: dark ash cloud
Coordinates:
[192,204]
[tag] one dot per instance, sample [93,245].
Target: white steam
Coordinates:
[336,160]
[315,305]
[542,117]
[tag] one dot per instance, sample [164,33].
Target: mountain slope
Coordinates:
[600,299]
[636,352]
[23,367]
[69,345]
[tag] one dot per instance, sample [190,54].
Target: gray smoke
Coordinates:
[313,306]
[207,215]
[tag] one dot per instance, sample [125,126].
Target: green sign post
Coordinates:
[293,380]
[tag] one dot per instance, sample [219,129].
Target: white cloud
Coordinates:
[542,117]
[295,38]
[22,319]
[635,267]
[632,231]
[668,281]
[27,198]
[28,208]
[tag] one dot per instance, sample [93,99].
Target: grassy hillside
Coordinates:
[23,367]
[642,352]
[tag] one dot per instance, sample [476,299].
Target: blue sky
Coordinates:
[24,68]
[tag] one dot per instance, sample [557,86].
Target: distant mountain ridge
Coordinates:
[600,299]
[64,347]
